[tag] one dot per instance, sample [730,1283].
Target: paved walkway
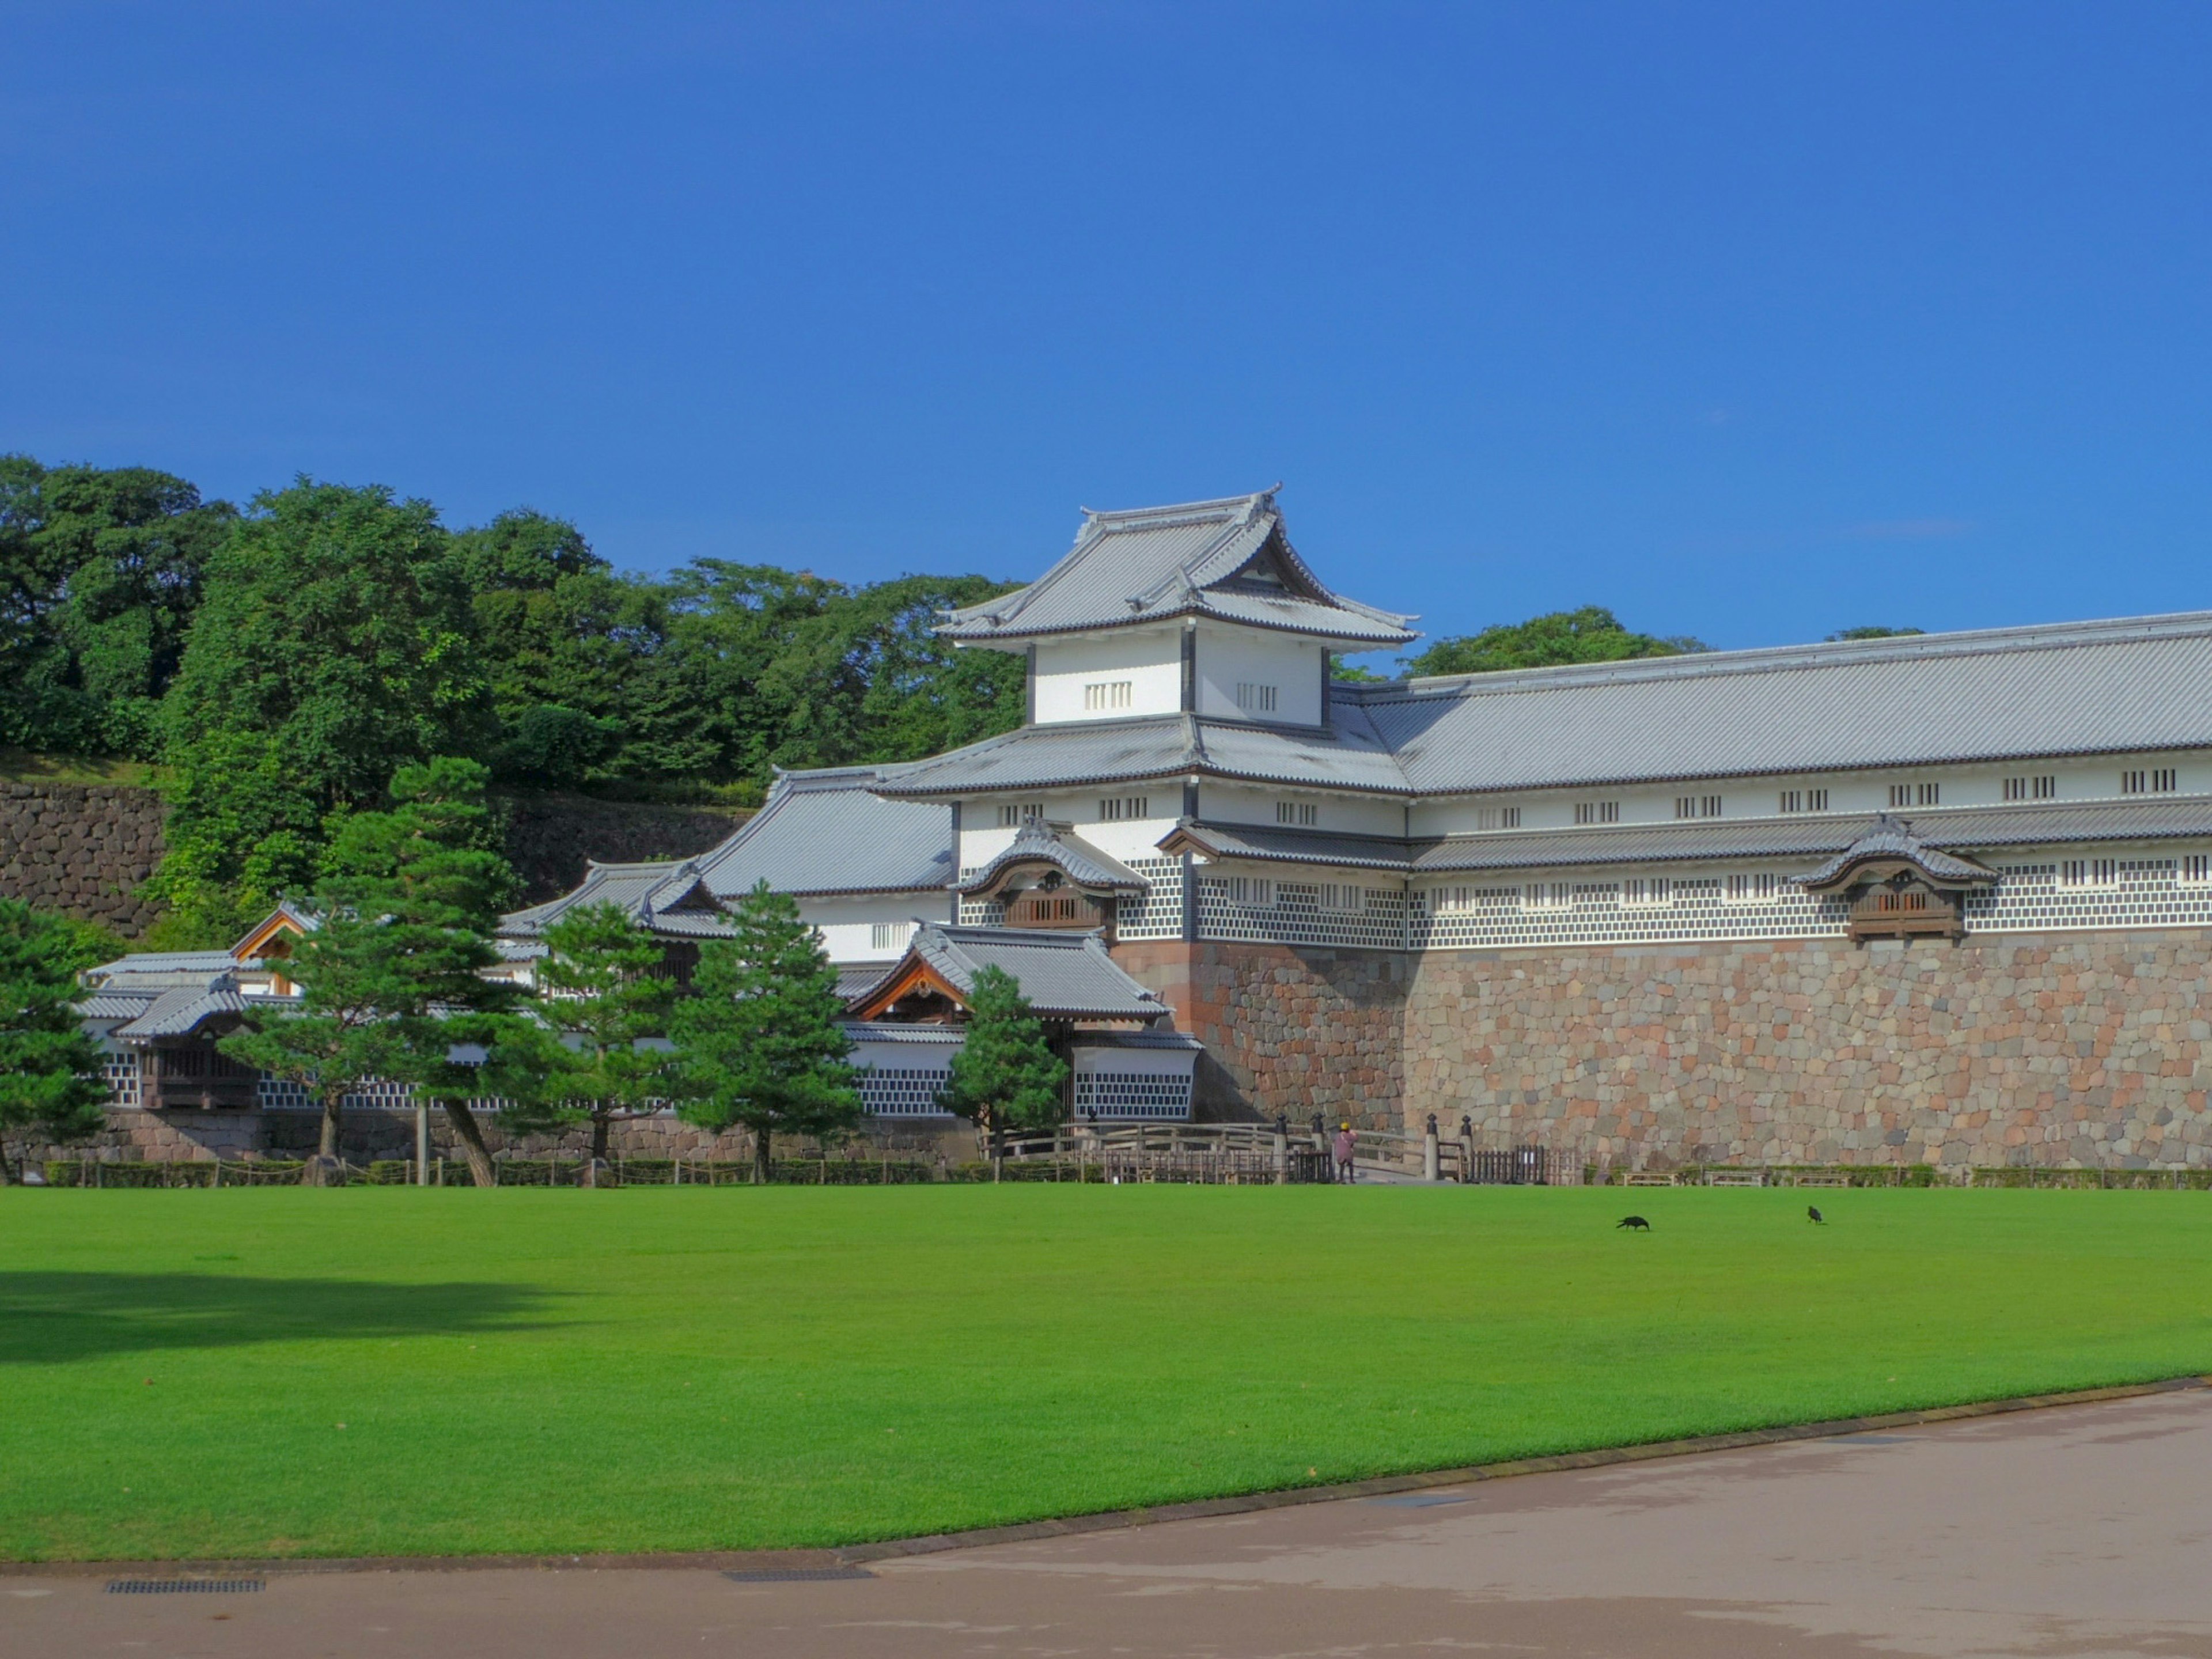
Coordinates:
[2084,1530]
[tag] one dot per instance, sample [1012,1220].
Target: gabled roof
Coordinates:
[1065,975]
[143,967]
[2133,685]
[1229,559]
[667,897]
[1890,840]
[1059,846]
[168,1003]
[824,832]
[1346,755]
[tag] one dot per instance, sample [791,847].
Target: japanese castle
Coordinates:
[1941,898]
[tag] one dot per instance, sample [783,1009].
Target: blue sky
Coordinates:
[1751,321]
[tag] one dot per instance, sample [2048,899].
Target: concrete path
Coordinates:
[2082,1530]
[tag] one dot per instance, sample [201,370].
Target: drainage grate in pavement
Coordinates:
[181,1586]
[796,1574]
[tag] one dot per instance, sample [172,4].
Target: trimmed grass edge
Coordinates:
[1113,1520]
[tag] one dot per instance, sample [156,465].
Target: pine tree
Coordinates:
[393,980]
[49,1068]
[1005,1075]
[610,989]
[761,1043]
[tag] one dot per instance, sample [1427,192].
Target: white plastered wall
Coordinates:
[1148,660]
[849,926]
[1342,812]
[1228,657]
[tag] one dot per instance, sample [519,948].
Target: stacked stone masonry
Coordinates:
[83,849]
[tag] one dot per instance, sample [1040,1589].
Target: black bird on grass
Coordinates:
[1813,1214]
[1633,1223]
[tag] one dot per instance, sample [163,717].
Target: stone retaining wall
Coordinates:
[84,849]
[1292,1029]
[2054,1050]
[81,848]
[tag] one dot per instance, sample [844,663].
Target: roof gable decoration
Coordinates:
[1898,886]
[1065,975]
[1040,847]
[1230,559]
[1888,849]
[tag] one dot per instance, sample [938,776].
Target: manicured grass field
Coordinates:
[367,1371]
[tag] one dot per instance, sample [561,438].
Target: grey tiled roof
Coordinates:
[1137,1040]
[1065,975]
[824,832]
[856,979]
[1268,845]
[1154,746]
[667,897]
[1229,558]
[884,1031]
[141,965]
[1890,839]
[183,1011]
[115,1005]
[1074,857]
[2076,688]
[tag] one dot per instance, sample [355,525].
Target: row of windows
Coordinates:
[2147,780]
[1260,893]
[1746,887]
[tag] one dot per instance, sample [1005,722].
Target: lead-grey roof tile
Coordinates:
[1888,838]
[1064,975]
[823,832]
[1074,857]
[1349,756]
[1151,564]
[2076,688]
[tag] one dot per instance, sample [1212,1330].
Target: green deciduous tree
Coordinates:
[1005,1075]
[335,641]
[1874,631]
[1592,633]
[49,1069]
[759,1042]
[607,990]
[101,571]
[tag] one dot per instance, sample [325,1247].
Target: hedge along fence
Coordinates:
[510,1172]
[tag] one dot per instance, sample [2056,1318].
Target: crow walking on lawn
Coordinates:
[1813,1214]
[1634,1223]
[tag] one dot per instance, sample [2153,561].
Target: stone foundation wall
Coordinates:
[550,837]
[1291,1029]
[81,848]
[2053,1050]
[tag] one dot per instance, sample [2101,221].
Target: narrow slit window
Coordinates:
[1117,809]
[1105,695]
[1256,699]
[1302,814]
[1597,811]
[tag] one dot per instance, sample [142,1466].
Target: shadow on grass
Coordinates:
[47,1317]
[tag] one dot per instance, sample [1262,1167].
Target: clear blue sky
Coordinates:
[1748,321]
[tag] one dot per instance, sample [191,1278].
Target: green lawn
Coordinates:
[371,1371]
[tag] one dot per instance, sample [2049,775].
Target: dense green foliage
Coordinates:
[49,1082]
[392,975]
[1874,632]
[606,991]
[101,571]
[1592,633]
[759,1042]
[1005,1075]
[797,1366]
